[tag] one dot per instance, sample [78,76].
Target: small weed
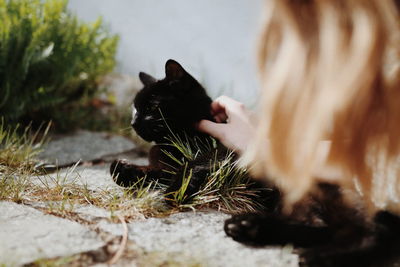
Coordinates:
[17,151]
[130,203]
[227,184]
[12,188]
[179,196]
[17,159]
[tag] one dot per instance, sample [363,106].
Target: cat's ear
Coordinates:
[173,70]
[146,78]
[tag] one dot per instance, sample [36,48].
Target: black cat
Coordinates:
[171,106]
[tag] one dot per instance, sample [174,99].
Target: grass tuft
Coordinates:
[227,185]
[17,159]
[17,151]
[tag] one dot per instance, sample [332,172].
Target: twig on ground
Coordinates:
[121,248]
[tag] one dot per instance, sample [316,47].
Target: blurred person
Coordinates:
[326,132]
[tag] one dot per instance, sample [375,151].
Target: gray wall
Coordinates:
[215,40]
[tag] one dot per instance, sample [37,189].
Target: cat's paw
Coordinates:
[124,173]
[116,166]
[246,228]
[259,229]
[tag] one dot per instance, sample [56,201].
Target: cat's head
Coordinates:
[178,101]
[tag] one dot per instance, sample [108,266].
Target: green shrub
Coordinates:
[48,58]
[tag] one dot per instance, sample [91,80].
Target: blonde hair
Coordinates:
[329,70]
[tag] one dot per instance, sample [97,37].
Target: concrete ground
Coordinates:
[58,231]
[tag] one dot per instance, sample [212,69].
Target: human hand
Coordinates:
[238,130]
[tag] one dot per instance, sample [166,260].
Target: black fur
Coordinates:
[178,101]
[326,231]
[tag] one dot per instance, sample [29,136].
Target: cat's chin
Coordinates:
[147,139]
[152,139]
[144,135]
[149,136]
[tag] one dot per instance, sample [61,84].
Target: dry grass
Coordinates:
[62,195]
[19,182]
[18,150]
[17,159]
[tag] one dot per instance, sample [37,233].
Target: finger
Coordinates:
[220,117]
[214,129]
[218,112]
[226,104]
[216,108]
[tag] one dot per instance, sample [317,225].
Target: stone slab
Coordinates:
[87,212]
[96,178]
[84,146]
[200,235]
[27,234]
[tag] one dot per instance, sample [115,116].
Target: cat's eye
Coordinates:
[152,107]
